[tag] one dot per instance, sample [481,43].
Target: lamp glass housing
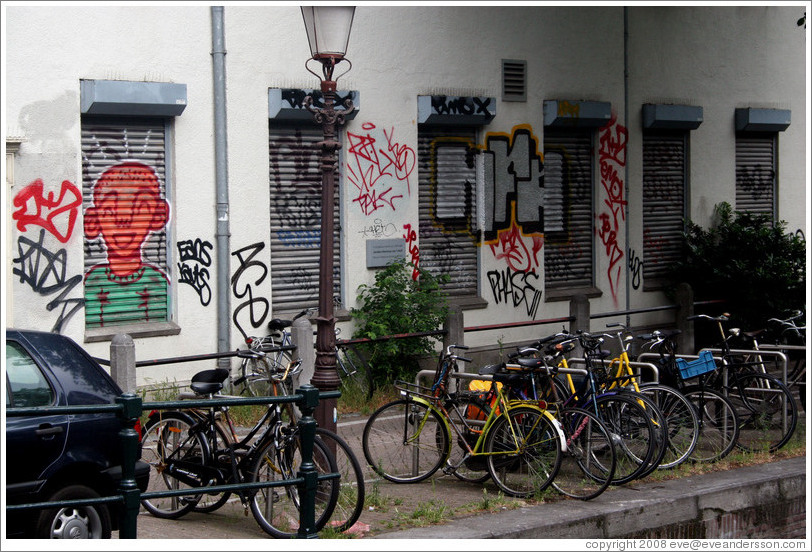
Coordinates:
[328,29]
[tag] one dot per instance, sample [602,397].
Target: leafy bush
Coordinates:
[397,304]
[746,260]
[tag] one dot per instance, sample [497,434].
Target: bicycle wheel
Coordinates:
[405,441]
[766,410]
[718,424]
[276,509]
[683,424]
[633,434]
[210,502]
[350,371]
[351,492]
[168,443]
[661,430]
[468,414]
[258,377]
[588,464]
[523,452]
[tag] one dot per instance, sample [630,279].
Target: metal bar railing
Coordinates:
[130,407]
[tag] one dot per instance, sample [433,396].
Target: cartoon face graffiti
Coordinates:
[127,207]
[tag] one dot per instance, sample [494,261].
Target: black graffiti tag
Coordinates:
[241,288]
[45,272]
[515,287]
[193,267]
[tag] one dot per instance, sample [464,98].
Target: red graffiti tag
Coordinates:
[411,244]
[376,170]
[35,208]
[510,245]
[612,156]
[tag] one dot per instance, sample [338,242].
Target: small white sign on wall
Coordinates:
[382,252]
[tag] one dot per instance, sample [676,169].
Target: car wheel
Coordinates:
[74,522]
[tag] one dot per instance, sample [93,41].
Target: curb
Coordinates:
[633,511]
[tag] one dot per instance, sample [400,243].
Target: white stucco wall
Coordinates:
[719,58]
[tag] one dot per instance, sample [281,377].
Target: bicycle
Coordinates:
[408,440]
[680,417]
[631,425]
[589,458]
[198,447]
[718,422]
[765,407]
[255,371]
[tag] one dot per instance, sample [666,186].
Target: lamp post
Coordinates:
[328,32]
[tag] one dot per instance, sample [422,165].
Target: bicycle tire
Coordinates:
[166,439]
[718,424]
[404,441]
[210,502]
[468,413]
[588,465]
[632,432]
[352,491]
[683,424]
[276,509]
[533,468]
[661,429]
[760,400]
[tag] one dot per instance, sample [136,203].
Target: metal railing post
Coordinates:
[131,411]
[307,471]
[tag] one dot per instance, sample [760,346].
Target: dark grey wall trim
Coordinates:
[750,119]
[455,110]
[287,104]
[667,116]
[576,113]
[147,99]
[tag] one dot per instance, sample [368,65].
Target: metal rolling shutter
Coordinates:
[106,143]
[295,202]
[664,204]
[447,205]
[568,234]
[755,174]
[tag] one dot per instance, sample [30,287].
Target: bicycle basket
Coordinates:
[694,368]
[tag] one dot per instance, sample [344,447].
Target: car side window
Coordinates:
[26,383]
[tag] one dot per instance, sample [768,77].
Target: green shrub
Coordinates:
[744,259]
[397,304]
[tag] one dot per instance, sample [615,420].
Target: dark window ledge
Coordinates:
[133,330]
[468,303]
[566,294]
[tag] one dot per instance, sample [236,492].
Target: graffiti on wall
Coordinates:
[514,174]
[635,268]
[412,249]
[126,208]
[194,261]
[42,268]
[461,105]
[57,215]
[250,273]
[612,211]
[379,168]
[518,289]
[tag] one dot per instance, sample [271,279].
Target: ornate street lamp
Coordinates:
[328,31]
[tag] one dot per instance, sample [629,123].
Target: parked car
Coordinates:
[61,457]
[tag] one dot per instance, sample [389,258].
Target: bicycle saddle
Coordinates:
[208,381]
[491,369]
[278,324]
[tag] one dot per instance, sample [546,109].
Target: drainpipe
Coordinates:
[626,169]
[223,232]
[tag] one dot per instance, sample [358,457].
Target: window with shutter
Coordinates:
[664,200]
[568,231]
[125,216]
[447,204]
[755,173]
[295,210]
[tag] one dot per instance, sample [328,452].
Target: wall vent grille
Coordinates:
[514,80]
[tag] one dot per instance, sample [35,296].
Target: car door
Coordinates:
[32,443]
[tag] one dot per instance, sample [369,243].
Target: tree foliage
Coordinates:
[746,260]
[398,304]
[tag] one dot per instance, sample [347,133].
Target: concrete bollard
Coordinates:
[122,362]
[301,335]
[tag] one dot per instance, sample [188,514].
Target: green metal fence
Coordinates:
[129,408]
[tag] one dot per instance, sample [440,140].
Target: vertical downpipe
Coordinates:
[223,232]
[626,168]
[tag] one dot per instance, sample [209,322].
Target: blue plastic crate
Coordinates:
[694,368]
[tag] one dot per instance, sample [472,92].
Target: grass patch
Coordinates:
[354,399]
